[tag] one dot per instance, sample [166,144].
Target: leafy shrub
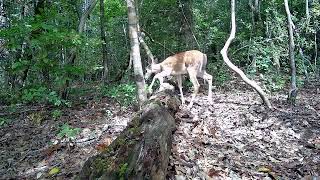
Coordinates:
[8,97]
[219,72]
[56,114]
[42,95]
[68,132]
[55,99]
[275,82]
[3,121]
[122,170]
[34,95]
[125,94]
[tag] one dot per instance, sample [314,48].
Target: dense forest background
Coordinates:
[52,50]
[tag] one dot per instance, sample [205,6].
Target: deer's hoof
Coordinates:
[190,106]
[183,101]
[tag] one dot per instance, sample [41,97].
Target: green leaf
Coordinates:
[54,171]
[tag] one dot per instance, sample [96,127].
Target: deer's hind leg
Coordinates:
[196,85]
[207,77]
[179,79]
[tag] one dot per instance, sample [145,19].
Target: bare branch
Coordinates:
[226,59]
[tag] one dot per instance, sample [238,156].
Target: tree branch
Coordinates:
[226,59]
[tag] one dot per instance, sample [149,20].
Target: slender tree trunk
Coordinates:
[3,15]
[226,59]
[293,89]
[253,28]
[307,11]
[316,54]
[104,42]
[304,65]
[189,39]
[135,52]
[151,59]
[257,5]
[26,50]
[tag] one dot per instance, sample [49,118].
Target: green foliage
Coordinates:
[188,84]
[222,77]
[210,30]
[125,94]
[220,73]
[3,121]
[275,82]
[12,108]
[122,170]
[34,94]
[68,132]
[115,8]
[42,95]
[39,45]
[8,97]
[56,114]
[55,99]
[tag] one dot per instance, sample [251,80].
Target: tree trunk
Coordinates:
[252,55]
[305,70]
[316,49]
[3,16]
[26,50]
[188,37]
[142,150]
[104,42]
[235,68]
[135,52]
[307,12]
[293,89]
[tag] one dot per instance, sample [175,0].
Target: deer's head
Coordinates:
[151,69]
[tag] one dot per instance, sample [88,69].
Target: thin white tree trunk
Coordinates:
[85,15]
[135,52]
[103,38]
[226,59]
[147,49]
[307,11]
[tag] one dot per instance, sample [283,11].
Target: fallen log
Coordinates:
[142,150]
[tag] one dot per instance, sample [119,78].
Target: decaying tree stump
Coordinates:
[142,150]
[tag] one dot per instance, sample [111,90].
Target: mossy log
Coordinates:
[142,150]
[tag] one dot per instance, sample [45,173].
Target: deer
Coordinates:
[191,62]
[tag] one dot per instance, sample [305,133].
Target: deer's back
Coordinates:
[181,61]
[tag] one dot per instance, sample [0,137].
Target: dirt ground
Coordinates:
[234,138]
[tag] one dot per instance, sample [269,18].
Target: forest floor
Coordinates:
[234,138]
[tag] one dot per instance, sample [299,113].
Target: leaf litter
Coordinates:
[233,138]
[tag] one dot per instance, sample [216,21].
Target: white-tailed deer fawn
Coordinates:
[191,62]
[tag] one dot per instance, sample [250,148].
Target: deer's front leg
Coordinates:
[159,76]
